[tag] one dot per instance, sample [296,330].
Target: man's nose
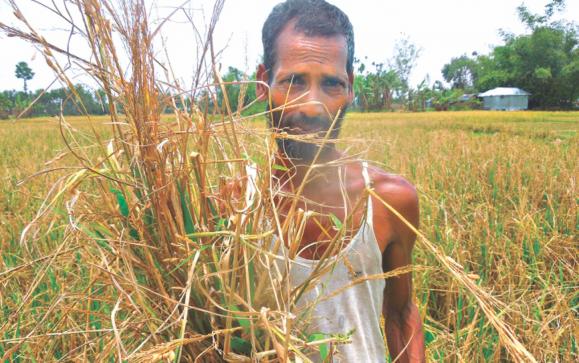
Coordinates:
[312,105]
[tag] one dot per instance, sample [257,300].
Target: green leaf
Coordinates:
[429,337]
[187,217]
[251,269]
[123,206]
[240,345]
[99,238]
[243,322]
[543,73]
[189,258]
[324,348]
[53,283]
[124,209]
[133,233]
[536,247]
[337,222]
[279,167]
[221,224]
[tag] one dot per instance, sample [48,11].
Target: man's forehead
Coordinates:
[290,33]
[295,45]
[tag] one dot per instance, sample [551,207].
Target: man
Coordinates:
[307,76]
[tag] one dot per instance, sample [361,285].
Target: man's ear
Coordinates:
[261,88]
[351,93]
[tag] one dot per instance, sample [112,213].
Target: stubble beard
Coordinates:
[304,151]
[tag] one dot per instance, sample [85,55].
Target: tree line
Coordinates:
[42,102]
[53,102]
[543,62]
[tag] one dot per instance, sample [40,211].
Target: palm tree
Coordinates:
[25,73]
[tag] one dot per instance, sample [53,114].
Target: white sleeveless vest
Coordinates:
[356,308]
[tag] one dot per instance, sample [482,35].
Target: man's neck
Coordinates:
[293,173]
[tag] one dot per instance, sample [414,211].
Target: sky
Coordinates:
[442,29]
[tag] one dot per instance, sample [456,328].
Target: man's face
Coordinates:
[310,79]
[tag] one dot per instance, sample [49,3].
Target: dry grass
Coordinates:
[497,195]
[129,258]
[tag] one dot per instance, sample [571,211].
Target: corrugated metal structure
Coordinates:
[505,98]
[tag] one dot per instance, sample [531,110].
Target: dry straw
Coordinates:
[170,267]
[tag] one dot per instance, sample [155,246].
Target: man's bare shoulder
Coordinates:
[399,193]
[395,188]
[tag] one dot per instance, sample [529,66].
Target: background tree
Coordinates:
[240,90]
[5,105]
[53,102]
[375,89]
[421,95]
[460,72]
[534,20]
[25,73]
[492,71]
[544,62]
[403,62]
[442,98]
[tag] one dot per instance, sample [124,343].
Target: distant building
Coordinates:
[467,97]
[505,98]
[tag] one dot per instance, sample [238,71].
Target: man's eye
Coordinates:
[295,80]
[334,83]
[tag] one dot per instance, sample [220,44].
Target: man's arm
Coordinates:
[403,323]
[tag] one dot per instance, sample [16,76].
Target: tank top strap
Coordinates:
[368,182]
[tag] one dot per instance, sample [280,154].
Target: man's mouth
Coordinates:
[301,130]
